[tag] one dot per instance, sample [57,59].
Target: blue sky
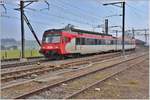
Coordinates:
[84,14]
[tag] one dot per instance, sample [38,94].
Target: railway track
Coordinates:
[24,90]
[70,89]
[40,69]
[18,59]
[16,62]
[115,81]
[111,73]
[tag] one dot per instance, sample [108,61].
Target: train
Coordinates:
[65,42]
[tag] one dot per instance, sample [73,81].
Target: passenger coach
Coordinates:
[64,42]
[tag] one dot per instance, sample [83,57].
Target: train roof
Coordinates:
[78,31]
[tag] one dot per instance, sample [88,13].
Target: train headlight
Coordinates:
[49,47]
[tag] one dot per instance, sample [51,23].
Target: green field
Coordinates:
[8,54]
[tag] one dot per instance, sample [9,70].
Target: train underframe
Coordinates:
[51,54]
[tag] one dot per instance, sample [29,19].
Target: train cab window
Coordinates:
[51,38]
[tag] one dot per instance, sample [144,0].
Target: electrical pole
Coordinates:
[123,21]
[23,17]
[106,26]
[123,28]
[145,37]
[133,33]
[22,29]
[116,38]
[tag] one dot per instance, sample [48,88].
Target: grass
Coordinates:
[8,54]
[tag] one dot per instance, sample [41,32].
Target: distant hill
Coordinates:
[31,44]
[10,43]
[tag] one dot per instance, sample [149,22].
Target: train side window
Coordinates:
[103,42]
[96,41]
[92,42]
[77,41]
[126,42]
[107,42]
[111,42]
[99,42]
[82,41]
[87,41]
[119,42]
[115,42]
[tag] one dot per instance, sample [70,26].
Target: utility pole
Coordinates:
[116,38]
[2,4]
[106,26]
[145,37]
[133,37]
[22,29]
[23,17]
[123,28]
[123,21]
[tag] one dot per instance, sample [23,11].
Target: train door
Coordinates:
[78,44]
[62,45]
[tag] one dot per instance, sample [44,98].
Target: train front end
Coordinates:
[51,44]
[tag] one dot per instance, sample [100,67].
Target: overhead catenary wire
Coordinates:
[136,11]
[69,12]
[83,17]
[62,17]
[42,23]
[82,11]
[46,14]
[80,21]
[101,3]
[38,22]
[17,18]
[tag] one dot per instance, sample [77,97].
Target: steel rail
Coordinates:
[17,59]
[102,80]
[22,63]
[72,78]
[7,86]
[18,63]
[37,70]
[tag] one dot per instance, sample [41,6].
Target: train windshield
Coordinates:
[51,38]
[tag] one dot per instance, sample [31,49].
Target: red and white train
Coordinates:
[64,42]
